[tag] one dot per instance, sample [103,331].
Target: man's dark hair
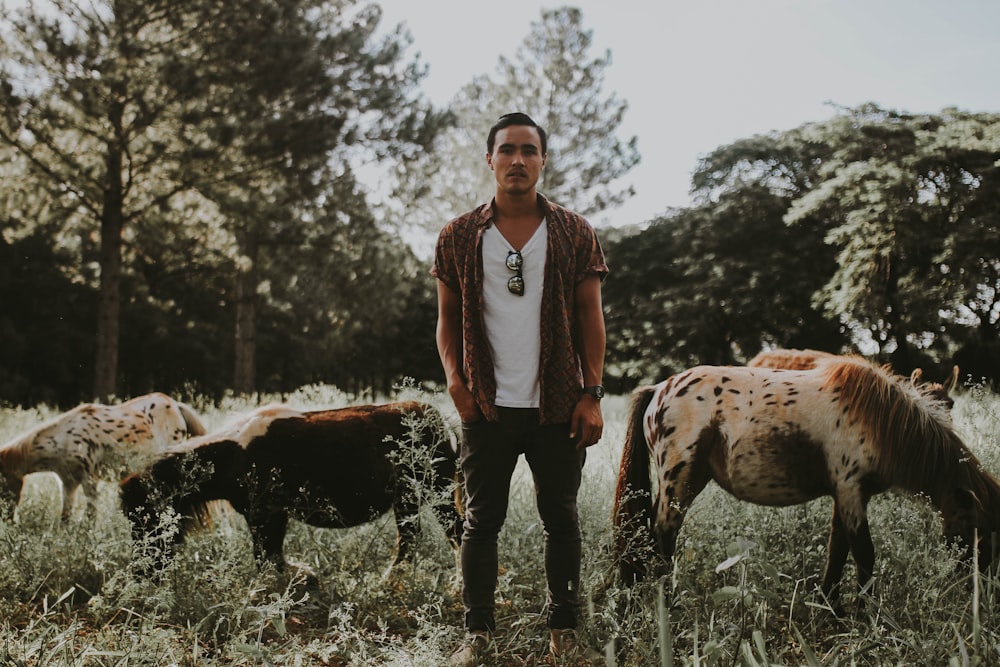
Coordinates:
[516,118]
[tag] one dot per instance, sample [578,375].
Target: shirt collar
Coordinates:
[484,215]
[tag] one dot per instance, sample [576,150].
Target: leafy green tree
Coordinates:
[960,174]
[299,86]
[158,124]
[711,285]
[875,226]
[46,352]
[87,102]
[555,79]
[361,316]
[901,193]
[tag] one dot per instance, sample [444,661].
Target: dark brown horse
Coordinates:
[846,429]
[328,468]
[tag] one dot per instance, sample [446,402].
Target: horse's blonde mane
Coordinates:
[15,448]
[911,432]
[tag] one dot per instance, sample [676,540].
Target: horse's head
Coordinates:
[155,530]
[971,519]
[940,391]
[171,497]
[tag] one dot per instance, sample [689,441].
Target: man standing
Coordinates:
[521,337]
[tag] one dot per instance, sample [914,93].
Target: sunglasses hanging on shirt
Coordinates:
[515,263]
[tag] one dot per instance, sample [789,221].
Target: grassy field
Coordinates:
[744,590]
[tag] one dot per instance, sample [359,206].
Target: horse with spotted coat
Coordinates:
[94,441]
[845,428]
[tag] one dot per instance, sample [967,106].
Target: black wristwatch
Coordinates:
[597,391]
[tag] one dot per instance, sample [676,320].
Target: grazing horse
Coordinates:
[94,441]
[801,360]
[847,429]
[328,468]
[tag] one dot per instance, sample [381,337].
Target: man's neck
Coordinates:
[517,217]
[516,206]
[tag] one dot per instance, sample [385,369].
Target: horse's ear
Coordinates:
[952,381]
[968,500]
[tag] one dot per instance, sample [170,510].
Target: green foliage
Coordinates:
[197,144]
[874,229]
[42,337]
[689,288]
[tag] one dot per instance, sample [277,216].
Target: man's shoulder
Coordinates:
[562,214]
[474,217]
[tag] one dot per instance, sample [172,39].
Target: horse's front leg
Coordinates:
[267,531]
[678,489]
[863,550]
[10,494]
[89,485]
[449,514]
[70,485]
[849,530]
[405,512]
[837,549]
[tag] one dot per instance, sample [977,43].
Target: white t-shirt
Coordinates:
[514,323]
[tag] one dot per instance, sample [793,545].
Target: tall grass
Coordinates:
[744,590]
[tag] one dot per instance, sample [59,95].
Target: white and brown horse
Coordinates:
[846,428]
[327,468]
[94,441]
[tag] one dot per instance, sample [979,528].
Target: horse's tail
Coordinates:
[199,516]
[633,507]
[455,446]
[454,517]
[191,419]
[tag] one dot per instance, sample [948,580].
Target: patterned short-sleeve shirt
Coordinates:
[573,253]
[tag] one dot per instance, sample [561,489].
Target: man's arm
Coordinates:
[449,344]
[587,423]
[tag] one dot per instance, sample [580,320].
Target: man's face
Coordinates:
[517,159]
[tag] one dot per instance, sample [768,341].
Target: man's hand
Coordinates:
[587,423]
[465,404]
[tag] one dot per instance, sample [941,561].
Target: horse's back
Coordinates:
[790,359]
[344,458]
[93,438]
[158,420]
[356,438]
[750,389]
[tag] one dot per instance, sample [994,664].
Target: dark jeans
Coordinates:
[489,454]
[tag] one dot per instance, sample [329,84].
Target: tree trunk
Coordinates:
[110,259]
[245,351]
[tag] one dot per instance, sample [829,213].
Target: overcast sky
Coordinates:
[702,73]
